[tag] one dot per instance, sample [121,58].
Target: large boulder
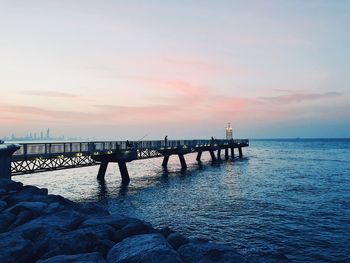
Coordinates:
[143,249]
[79,258]
[115,220]
[27,196]
[14,249]
[23,217]
[90,209]
[6,219]
[3,205]
[33,190]
[205,252]
[176,240]
[36,208]
[78,241]
[131,229]
[64,220]
[54,207]
[2,192]
[9,185]
[165,231]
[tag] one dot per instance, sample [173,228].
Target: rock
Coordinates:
[33,190]
[79,258]
[208,252]
[131,229]
[115,220]
[36,208]
[3,205]
[78,241]
[53,208]
[2,192]
[103,246]
[165,232]
[23,217]
[64,220]
[14,249]
[9,185]
[143,249]
[6,219]
[176,240]
[27,196]
[91,209]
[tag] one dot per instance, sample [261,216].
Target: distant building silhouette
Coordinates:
[229,132]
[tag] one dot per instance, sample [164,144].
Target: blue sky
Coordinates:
[117,69]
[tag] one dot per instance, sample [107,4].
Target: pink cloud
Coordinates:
[204,66]
[47,93]
[299,97]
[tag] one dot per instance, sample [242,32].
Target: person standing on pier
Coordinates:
[166,140]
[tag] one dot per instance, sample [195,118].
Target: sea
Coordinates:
[285,200]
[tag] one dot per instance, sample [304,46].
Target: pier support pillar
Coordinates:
[102,170]
[199,155]
[213,158]
[240,152]
[232,152]
[226,154]
[124,172]
[219,154]
[6,151]
[183,162]
[165,161]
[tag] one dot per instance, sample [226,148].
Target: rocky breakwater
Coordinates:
[39,227]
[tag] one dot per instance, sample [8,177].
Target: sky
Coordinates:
[128,69]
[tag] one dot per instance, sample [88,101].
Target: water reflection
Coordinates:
[287,198]
[102,189]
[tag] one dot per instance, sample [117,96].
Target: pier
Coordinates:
[38,157]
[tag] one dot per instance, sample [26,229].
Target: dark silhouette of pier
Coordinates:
[39,157]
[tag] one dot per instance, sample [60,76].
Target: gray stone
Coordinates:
[91,209]
[36,208]
[143,249]
[30,189]
[115,220]
[165,232]
[26,196]
[79,258]
[176,240]
[6,219]
[3,205]
[64,220]
[23,217]
[14,249]
[9,185]
[103,246]
[78,241]
[131,229]
[53,208]
[208,253]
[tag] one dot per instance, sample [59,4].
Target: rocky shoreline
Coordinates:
[39,227]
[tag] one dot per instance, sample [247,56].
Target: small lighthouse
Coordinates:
[229,132]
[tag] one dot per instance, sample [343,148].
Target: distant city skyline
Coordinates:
[36,136]
[126,70]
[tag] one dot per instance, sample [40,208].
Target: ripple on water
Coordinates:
[287,199]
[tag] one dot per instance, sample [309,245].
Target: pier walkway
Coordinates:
[39,157]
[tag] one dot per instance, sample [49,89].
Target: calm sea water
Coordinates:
[286,199]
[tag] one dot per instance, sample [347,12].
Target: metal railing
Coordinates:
[89,148]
